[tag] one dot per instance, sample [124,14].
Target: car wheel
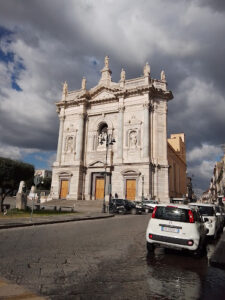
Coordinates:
[150,247]
[201,250]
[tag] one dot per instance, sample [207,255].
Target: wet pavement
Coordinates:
[104,259]
[174,274]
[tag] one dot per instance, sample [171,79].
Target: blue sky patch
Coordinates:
[9,57]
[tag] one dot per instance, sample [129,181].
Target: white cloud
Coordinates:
[62,41]
[204,152]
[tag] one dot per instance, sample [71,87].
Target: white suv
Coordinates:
[208,213]
[176,226]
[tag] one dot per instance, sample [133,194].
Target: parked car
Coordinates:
[176,226]
[149,205]
[123,206]
[220,215]
[208,212]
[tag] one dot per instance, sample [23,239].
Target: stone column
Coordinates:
[79,142]
[146,131]
[60,139]
[120,133]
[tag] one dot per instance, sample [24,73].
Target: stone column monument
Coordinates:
[21,197]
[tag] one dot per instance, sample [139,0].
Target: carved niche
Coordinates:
[133,134]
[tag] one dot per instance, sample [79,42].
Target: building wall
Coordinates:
[135,112]
[177,166]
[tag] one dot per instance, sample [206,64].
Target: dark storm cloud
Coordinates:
[217,5]
[58,41]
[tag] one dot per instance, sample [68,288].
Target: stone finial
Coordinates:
[163,76]
[65,90]
[83,83]
[106,62]
[122,75]
[106,73]
[146,70]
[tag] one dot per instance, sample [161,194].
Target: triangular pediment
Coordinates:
[103,92]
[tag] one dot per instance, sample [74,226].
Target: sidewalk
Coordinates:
[218,257]
[6,222]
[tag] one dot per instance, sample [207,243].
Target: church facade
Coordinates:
[113,139]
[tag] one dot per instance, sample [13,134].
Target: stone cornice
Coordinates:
[86,98]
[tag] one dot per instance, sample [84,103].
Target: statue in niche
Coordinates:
[83,83]
[122,75]
[69,144]
[163,76]
[102,136]
[133,139]
[146,70]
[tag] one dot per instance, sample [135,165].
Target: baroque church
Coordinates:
[113,139]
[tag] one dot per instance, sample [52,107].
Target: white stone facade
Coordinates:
[134,113]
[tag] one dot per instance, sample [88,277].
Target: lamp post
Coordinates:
[142,197]
[108,141]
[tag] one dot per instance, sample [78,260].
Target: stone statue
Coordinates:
[106,61]
[21,187]
[133,139]
[65,89]
[83,83]
[163,76]
[146,70]
[69,144]
[122,75]
[21,197]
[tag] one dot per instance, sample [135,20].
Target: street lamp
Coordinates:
[108,141]
[142,198]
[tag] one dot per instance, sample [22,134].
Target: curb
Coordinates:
[8,226]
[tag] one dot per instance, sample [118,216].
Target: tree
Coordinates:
[45,183]
[11,173]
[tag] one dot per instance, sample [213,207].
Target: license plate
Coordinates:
[170,229]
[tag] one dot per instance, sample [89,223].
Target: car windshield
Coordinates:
[206,211]
[172,213]
[119,201]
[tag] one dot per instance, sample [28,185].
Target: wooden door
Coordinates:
[64,189]
[99,188]
[131,189]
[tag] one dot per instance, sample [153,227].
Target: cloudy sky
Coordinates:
[44,43]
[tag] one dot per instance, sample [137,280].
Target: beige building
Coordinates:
[133,112]
[177,165]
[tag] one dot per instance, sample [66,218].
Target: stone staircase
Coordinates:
[78,205]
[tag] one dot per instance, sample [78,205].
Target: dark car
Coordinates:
[123,206]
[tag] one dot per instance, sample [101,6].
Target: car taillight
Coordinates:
[150,235]
[154,211]
[191,217]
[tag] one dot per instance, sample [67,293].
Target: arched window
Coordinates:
[103,129]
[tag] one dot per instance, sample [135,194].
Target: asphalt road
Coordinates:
[103,259]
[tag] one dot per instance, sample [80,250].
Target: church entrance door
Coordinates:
[130,189]
[64,189]
[99,188]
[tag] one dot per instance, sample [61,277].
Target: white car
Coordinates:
[208,213]
[149,205]
[176,226]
